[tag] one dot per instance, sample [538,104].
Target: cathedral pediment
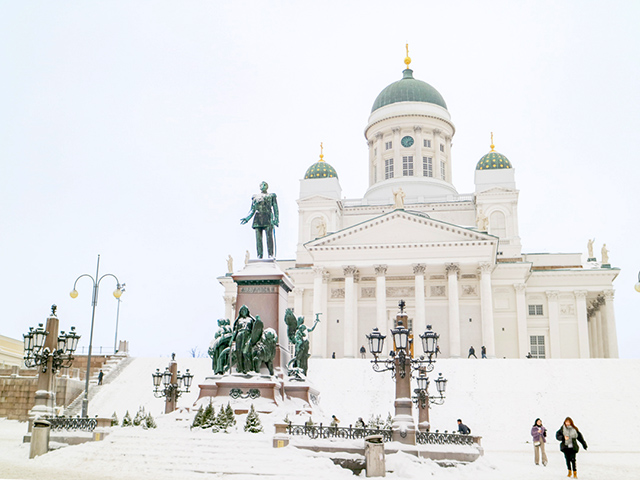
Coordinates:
[404,233]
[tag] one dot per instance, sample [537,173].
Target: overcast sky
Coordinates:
[140,130]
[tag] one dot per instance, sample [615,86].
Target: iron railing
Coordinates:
[346,433]
[436,438]
[84,424]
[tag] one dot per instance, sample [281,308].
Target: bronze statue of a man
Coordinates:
[264,210]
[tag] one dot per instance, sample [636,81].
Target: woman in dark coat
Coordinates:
[569,436]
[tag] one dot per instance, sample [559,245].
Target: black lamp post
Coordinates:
[400,362]
[173,384]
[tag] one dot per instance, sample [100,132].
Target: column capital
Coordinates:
[608,295]
[417,128]
[395,130]
[485,267]
[370,143]
[419,268]
[229,298]
[298,291]
[452,268]
[437,131]
[318,271]
[381,270]
[520,287]
[349,270]
[580,293]
[552,295]
[379,135]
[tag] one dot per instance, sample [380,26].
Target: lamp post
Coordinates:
[94,301]
[423,400]
[402,365]
[172,384]
[44,348]
[115,341]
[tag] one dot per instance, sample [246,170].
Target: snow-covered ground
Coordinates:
[498,399]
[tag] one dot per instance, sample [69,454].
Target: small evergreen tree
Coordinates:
[114,420]
[375,422]
[126,421]
[309,423]
[220,421]
[149,422]
[139,418]
[285,419]
[197,420]
[253,425]
[388,422]
[208,416]
[231,418]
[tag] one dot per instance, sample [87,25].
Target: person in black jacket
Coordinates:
[569,436]
[462,428]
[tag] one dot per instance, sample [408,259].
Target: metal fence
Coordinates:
[84,424]
[347,433]
[435,438]
[351,433]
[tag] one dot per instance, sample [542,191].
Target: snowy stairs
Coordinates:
[184,453]
[111,369]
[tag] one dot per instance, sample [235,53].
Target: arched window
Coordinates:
[498,224]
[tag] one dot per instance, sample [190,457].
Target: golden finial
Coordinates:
[407,60]
[321,155]
[492,145]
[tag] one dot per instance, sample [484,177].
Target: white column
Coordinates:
[521,316]
[397,159]
[372,163]
[610,325]
[454,310]
[379,162]
[583,327]
[381,298]
[228,307]
[437,158]
[420,322]
[417,161]
[554,325]
[319,336]
[486,302]
[447,149]
[349,311]
[593,347]
[297,301]
[599,335]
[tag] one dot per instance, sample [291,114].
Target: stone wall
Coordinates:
[18,389]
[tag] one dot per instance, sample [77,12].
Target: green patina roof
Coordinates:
[408,90]
[321,170]
[493,161]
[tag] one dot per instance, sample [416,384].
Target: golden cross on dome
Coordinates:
[321,155]
[492,145]
[407,60]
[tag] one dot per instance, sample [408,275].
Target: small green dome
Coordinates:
[408,90]
[493,161]
[321,169]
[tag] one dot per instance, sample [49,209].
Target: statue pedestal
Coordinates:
[241,390]
[303,394]
[264,289]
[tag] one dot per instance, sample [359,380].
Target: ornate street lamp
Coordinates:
[173,384]
[94,301]
[36,354]
[400,362]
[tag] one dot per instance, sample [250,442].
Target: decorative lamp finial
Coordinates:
[321,155]
[407,60]
[53,310]
[492,145]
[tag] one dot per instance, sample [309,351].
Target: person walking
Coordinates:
[472,351]
[462,428]
[539,434]
[363,351]
[100,376]
[483,351]
[569,436]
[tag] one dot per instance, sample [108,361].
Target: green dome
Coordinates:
[408,90]
[321,169]
[493,161]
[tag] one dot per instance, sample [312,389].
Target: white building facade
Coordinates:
[455,259]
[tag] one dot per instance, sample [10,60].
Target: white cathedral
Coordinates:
[454,258]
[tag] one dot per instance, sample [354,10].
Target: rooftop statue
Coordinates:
[297,333]
[605,254]
[590,247]
[264,210]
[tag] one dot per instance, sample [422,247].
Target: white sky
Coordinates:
[140,130]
